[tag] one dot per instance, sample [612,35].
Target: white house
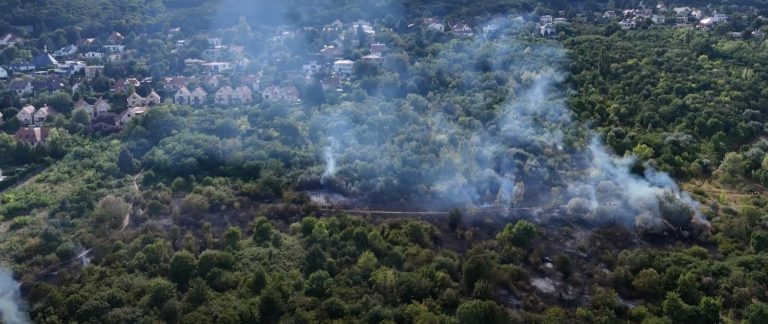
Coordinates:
[436,26]
[130,114]
[275,93]
[312,68]
[152,99]
[545,19]
[198,97]
[720,18]
[3,73]
[114,48]
[217,66]
[135,100]
[66,51]
[658,19]
[559,21]
[242,95]
[84,105]
[343,67]
[224,95]
[94,55]
[182,96]
[42,114]
[547,30]
[101,106]
[25,115]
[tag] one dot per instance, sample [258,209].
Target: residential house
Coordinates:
[114,48]
[490,28]
[242,95]
[343,67]
[719,17]
[42,114]
[32,135]
[182,96]
[275,93]
[152,99]
[629,23]
[3,73]
[372,58]
[365,26]
[26,114]
[224,95]
[44,61]
[174,32]
[312,68]
[22,67]
[545,19]
[198,97]
[217,67]
[251,81]
[101,106]
[559,21]
[608,14]
[547,30]
[378,49]
[70,67]
[334,26]
[93,55]
[130,114]
[215,41]
[135,100]
[436,26]
[49,85]
[331,82]
[658,19]
[92,71]
[174,84]
[462,30]
[21,87]
[10,39]
[115,38]
[66,51]
[84,105]
[212,81]
[330,52]
[126,85]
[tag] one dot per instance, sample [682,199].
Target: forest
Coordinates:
[601,175]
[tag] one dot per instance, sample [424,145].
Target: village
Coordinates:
[114,81]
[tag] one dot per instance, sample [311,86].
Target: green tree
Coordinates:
[195,205]
[481,312]
[183,266]
[521,234]
[648,282]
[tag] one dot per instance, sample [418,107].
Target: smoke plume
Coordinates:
[11,304]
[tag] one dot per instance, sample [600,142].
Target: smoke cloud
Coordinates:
[11,304]
[428,150]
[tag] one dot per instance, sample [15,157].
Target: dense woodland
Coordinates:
[222,229]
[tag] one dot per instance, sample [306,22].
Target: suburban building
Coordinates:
[312,68]
[26,114]
[10,39]
[242,95]
[84,105]
[198,97]
[135,100]
[182,96]
[93,70]
[275,93]
[128,115]
[42,114]
[32,135]
[224,95]
[21,87]
[343,67]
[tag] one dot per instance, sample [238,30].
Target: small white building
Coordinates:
[545,19]
[343,67]
[311,68]
[130,114]
[718,18]
[658,19]
[94,55]
[3,73]
[114,48]
[436,26]
[547,30]
[25,115]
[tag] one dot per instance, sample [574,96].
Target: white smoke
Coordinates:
[11,304]
[330,157]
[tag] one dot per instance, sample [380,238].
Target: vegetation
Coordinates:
[203,214]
